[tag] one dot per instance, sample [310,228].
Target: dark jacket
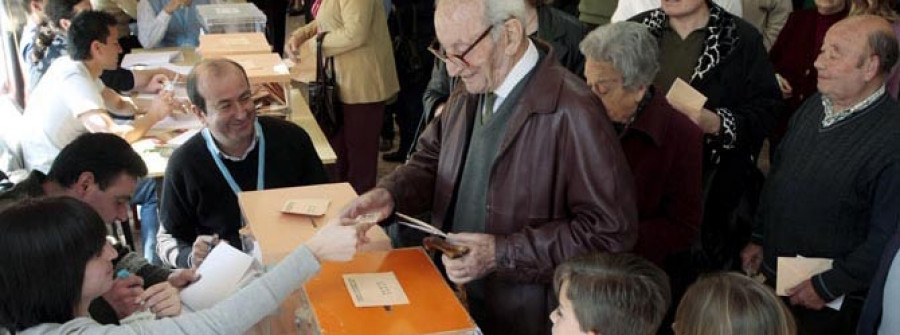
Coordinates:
[563,31]
[559,187]
[734,73]
[870,318]
[664,150]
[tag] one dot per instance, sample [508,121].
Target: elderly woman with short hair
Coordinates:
[663,147]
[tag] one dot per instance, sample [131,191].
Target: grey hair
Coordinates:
[631,49]
[498,11]
[884,45]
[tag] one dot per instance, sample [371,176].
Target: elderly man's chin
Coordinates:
[475,85]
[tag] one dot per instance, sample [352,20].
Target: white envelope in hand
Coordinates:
[794,270]
[686,99]
[222,273]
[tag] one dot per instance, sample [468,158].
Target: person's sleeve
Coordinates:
[854,272]
[239,312]
[599,195]
[84,96]
[151,26]
[120,80]
[776,20]
[438,88]
[357,16]
[412,184]
[177,232]
[749,121]
[678,224]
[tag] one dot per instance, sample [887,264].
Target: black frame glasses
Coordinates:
[459,60]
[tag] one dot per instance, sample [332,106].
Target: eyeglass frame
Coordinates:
[435,49]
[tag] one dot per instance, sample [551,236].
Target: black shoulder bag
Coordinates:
[324,102]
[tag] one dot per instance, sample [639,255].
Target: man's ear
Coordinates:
[199,113]
[84,183]
[872,67]
[515,33]
[64,24]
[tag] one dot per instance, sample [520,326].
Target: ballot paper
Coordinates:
[375,289]
[306,206]
[222,273]
[156,58]
[686,99]
[794,270]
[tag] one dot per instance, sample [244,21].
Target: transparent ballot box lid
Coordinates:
[231,18]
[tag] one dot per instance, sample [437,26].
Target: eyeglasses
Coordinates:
[458,60]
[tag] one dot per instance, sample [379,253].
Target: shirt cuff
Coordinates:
[728,133]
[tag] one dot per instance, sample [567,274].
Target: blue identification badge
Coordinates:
[246,241]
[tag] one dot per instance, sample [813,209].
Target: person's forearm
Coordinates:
[138,129]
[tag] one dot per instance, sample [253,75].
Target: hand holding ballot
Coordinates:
[477,263]
[336,241]
[377,201]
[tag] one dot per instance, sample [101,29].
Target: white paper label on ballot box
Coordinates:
[375,289]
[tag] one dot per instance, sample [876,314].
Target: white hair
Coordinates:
[498,11]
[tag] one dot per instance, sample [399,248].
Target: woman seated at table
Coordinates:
[56,259]
[169,23]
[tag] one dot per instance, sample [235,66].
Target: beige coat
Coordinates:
[359,41]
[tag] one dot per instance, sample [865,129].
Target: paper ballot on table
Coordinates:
[686,98]
[221,274]
[375,289]
[306,206]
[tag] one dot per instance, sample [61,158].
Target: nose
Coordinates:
[109,252]
[122,211]
[819,64]
[553,316]
[454,69]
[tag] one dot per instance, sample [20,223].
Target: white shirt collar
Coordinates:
[528,61]
[242,156]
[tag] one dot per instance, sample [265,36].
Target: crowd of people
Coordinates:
[602,169]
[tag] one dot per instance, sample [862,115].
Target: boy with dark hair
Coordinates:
[609,294]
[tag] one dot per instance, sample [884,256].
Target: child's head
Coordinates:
[609,294]
[732,304]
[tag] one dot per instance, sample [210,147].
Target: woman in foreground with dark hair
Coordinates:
[55,260]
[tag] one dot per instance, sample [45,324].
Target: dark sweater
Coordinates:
[196,200]
[834,192]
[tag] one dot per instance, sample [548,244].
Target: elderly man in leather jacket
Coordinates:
[521,168]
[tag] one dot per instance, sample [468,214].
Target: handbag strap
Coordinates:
[320,67]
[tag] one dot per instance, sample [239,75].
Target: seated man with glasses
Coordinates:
[521,168]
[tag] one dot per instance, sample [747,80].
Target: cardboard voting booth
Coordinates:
[432,307]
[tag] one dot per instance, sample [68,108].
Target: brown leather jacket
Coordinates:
[560,187]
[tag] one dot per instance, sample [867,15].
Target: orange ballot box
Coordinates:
[218,45]
[280,233]
[432,307]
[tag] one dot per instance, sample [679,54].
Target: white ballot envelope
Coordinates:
[686,99]
[794,270]
[308,206]
[375,289]
[223,272]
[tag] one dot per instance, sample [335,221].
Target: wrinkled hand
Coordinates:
[124,294]
[751,258]
[181,278]
[336,241]
[805,295]
[162,299]
[378,201]
[479,262]
[202,245]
